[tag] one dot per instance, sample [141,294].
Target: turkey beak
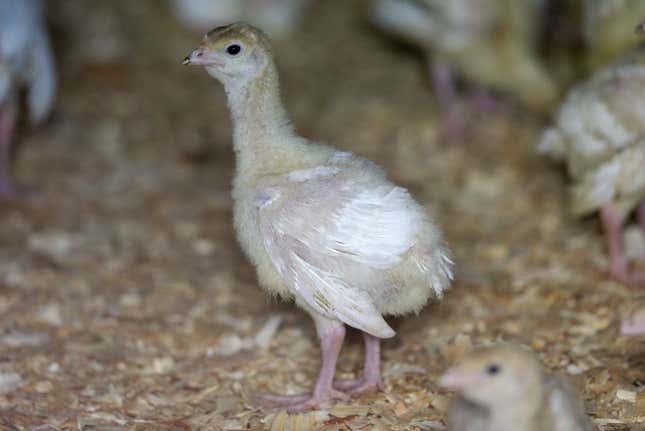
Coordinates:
[456,379]
[201,56]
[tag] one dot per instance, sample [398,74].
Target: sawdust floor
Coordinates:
[126,303]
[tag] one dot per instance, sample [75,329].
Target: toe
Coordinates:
[338,395]
[283,399]
[310,404]
[347,384]
[315,401]
[302,403]
[366,388]
[359,386]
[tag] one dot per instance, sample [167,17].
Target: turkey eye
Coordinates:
[233,49]
[493,369]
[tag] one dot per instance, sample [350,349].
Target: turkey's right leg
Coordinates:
[7,123]
[452,121]
[618,264]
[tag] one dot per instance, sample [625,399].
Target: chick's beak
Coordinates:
[455,379]
[201,56]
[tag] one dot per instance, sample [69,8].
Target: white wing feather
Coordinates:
[330,233]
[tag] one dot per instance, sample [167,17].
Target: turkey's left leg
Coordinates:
[453,124]
[618,265]
[332,334]
[7,122]
[371,380]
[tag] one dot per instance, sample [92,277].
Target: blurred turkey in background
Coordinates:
[493,43]
[26,65]
[608,27]
[276,17]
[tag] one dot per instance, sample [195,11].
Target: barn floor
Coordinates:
[126,303]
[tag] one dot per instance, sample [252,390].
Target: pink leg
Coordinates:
[613,226]
[371,380]
[444,86]
[7,121]
[485,101]
[619,267]
[331,341]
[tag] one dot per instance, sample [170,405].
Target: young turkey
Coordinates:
[322,226]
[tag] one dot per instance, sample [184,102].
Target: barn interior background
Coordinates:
[126,303]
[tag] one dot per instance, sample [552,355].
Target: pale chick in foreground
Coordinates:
[322,226]
[504,388]
[609,28]
[26,63]
[277,17]
[599,133]
[492,43]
